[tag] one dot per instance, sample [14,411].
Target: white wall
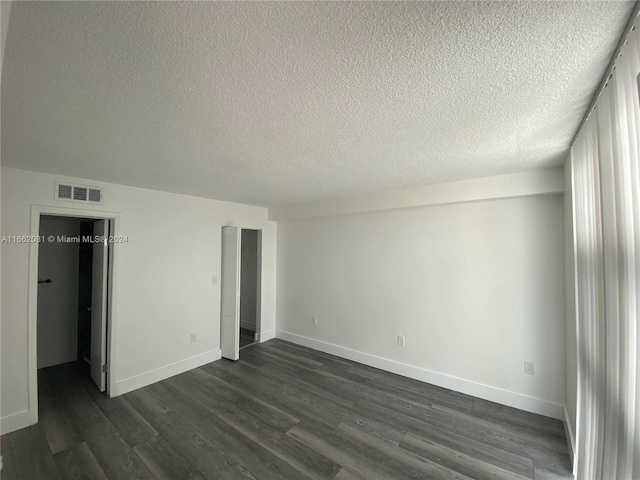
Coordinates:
[249,279]
[571,355]
[165,289]
[58,300]
[5,10]
[476,288]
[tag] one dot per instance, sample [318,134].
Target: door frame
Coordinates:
[259,286]
[259,332]
[32,328]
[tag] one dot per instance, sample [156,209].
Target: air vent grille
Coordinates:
[64,191]
[95,195]
[78,193]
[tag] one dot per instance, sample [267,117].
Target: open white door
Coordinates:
[230,295]
[99,305]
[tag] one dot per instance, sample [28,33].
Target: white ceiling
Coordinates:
[274,103]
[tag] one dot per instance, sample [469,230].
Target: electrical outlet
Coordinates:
[314,321]
[193,338]
[529,368]
[214,280]
[400,340]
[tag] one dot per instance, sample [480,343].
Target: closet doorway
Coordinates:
[72,303]
[97,345]
[240,289]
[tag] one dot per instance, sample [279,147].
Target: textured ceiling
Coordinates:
[273,103]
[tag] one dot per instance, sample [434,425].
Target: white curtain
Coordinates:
[606,199]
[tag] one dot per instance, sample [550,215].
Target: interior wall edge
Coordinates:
[549,181]
[486,392]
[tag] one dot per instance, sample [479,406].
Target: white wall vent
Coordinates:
[95,195]
[64,191]
[78,193]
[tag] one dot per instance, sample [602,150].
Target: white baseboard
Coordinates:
[14,422]
[268,335]
[57,359]
[571,441]
[248,325]
[487,392]
[142,380]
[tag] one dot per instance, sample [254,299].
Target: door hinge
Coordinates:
[104,368]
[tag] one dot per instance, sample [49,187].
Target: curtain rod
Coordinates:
[610,68]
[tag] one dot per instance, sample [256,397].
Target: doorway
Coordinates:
[113,221]
[248,286]
[72,295]
[241,289]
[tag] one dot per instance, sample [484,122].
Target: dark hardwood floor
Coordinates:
[281,412]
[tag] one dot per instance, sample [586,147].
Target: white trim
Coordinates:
[266,336]
[487,392]
[571,441]
[258,326]
[248,325]
[162,373]
[57,359]
[549,181]
[244,226]
[32,323]
[15,421]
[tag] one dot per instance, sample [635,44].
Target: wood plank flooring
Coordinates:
[281,412]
